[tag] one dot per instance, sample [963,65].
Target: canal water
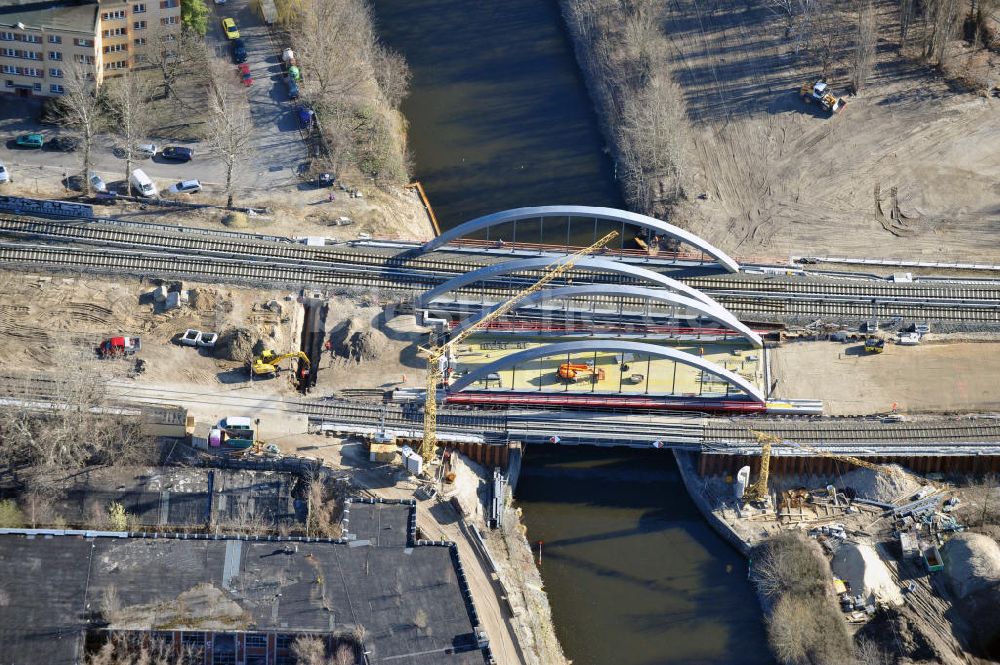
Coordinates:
[499,114]
[499,118]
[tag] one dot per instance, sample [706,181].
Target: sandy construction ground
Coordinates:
[957,377]
[781,177]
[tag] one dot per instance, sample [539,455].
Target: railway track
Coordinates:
[128,249]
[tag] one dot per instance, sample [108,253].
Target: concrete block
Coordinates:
[160,293]
[173,301]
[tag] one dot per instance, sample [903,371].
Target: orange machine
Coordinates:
[570,371]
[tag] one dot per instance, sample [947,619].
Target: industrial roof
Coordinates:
[71,15]
[408,598]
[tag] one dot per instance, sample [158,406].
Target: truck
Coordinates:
[819,93]
[117,347]
[874,345]
[233,432]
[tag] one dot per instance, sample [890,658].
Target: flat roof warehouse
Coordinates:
[248,597]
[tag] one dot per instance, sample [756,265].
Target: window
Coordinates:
[115,48]
[9,83]
[7,36]
[37,87]
[140,58]
[168,4]
[56,88]
[11,53]
[32,55]
[140,41]
[169,20]
[9,69]
[31,39]
[120,64]
[139,8]
[56,73]
[55,39]
[55,55]
[256,641]
[139,25]
[84,59]
[31,71]
[83,42]
[113,16]
[115,32]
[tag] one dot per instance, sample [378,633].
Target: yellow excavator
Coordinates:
[267,362]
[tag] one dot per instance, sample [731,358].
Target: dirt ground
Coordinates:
[779,176]
[296,212]
[932,377]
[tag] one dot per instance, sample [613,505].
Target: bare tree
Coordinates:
[134,648]
[230,130]
[943,19]
[392,74]
[334,26]
[865,48]
[127,97]
[171,52]
[80,110]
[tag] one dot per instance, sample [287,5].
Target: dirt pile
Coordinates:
[203,299]
[972,563]
[896,632]
[354,340]
[875,486]
[236,344]
[860,566]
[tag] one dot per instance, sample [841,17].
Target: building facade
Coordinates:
[41,43]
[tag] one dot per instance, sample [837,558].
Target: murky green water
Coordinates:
[633,573]
[499,118]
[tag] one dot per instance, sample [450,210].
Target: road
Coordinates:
[280,151]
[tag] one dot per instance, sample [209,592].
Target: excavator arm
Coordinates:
[268,362]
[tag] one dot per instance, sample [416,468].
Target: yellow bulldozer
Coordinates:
[819,93]
[268,362]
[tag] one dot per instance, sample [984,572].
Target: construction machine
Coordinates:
[874,345]
[438,355]
[570,372]
[758,493]
[819,93]
[267,362]
[117,347]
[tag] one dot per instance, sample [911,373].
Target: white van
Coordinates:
[142,184]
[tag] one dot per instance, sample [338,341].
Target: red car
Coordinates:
[245,75]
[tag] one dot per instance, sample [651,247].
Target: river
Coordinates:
[499,118]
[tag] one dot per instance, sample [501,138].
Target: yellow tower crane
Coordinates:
[436,353]
[758,490]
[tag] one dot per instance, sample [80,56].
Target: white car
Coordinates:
[146,150]
[97,183]
[4,173]
[185,186]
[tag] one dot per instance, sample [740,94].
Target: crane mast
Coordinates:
[436,353]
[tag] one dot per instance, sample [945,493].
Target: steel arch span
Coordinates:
[584,212]
[714,312]
[560,348]
[587,263]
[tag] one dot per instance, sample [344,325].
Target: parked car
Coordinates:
[4,173]
[239,51]
[146,150]
[63,143]
[177,153]
[230,28]
[143,184]
[33,140]
[97,183]
[245,75]
[185,186]
[305,115]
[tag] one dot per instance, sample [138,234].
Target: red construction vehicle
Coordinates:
[116,347]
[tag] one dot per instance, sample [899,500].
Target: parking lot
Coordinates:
[279,148]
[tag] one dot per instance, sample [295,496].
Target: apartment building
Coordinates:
[40,40]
